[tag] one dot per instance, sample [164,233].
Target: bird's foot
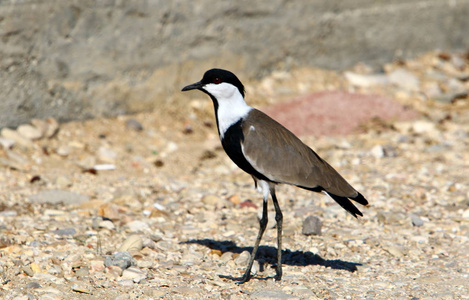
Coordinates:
[239,280]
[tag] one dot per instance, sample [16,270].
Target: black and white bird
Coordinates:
[270,153]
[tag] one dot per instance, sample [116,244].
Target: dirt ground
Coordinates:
[149,206]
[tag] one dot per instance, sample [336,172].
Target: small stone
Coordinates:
[107,155]
[138,226]
[65,231]
[33,285]
[364,80]
[18,138]
[269,295]
[243,258]
[63,182]
[212,200]
[235,199]
[132,243]
[227,256]
[312,226]
[52,127]
[133,124]
[395,250]
[107,224]
[421,127]
[63,151]
[96,266]
[404,79]
[377,151]
[30,132]
[121,259]
[113,271]
[135,274]
[6,143]
[80,289]
[416,220]
[28,270]
[56,197]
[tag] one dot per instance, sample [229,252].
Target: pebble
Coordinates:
[366,80]
[30,132]
[212,200]
[136,274]
[65,231]
[404,79]
[395,250]
[187,243]
[243,258]
[121,259]
[15,136]
[312,226]
[270,294]
[138,226]
[377,151]
[416,220]
[134,125]
[132,243]
[107,155]
[56,197]
[63,151]
[6,143]
[80,289]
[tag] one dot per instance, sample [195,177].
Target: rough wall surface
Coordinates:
[76,59]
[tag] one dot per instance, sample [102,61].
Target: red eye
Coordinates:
[216,80]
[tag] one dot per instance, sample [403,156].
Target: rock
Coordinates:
[138,226]
[52,128]
[404,79]
[65,231]
[15,136]
[395,250]
[421,127]
[81,289]
[243,258]
[212,200]
[312,226]
[361,80]
[6,143]
[30,132]
[113,272]
[269,295]
[63,151]
[56,197]
[377,151]
[107,224]
[33,285]
[133,124]
[121,259]
[107,155]
[135,274]
[416,220]
[132,243]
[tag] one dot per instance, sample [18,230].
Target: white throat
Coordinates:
[231,105]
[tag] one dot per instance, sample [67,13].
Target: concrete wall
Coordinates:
[76,59]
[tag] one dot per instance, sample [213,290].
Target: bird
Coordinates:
[271,154]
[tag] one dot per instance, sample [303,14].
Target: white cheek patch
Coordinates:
[231,105]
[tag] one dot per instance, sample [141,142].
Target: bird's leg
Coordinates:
[279,219]
[262,227]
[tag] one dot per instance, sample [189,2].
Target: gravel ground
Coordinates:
[149,206]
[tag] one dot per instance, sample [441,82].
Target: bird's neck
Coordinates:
[229,110]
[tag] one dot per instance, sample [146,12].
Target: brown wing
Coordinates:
[278,154]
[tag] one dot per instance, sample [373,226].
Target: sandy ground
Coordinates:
[105,210]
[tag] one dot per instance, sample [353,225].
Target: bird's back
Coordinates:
[282,157]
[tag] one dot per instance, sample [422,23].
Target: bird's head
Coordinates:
[218,84]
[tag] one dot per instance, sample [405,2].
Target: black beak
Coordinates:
[194,86]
